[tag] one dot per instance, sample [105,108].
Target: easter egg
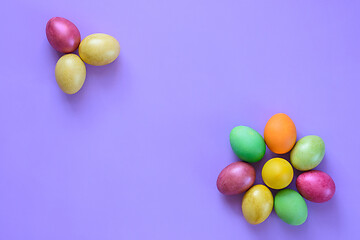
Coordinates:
[315,186]
[62,35]
[280,133]
[70,73]
[307,153]
[99,49]
[257,204]
[236,178]
[290,206]
[247,144]
[277,173]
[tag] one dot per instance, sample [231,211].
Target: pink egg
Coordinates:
[62,35]
[315,186]
[236,178]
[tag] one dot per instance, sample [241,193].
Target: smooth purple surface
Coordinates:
[136,153]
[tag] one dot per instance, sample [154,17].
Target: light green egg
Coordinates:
[308,152]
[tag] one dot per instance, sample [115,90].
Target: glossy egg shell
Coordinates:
[280,133]
[62,35]
[70,73]
[99,49]
[236,178]
[291,207]
[277,173]
[257,204]
[308,152]
[315,186]
[247,144]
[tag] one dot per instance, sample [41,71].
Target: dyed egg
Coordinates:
[70,73]
[280,133]
[247,144]
[315,186]
[236,178]
[307,153]
[277,173]
[290,206]
[257,204]
[62,35]
[99,49]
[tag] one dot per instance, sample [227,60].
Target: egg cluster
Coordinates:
[277,173]
[96,49]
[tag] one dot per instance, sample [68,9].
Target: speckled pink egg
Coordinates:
[315,186]
[236,178]
[62,35]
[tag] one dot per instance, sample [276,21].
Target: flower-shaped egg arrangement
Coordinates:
[277,173]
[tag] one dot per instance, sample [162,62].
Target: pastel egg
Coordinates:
[280,133]
[236,178]
[277,173]
[308,152]
[70,73]
[315,186]
[247,144]
[62,35]
[99,49]
[257,204]
[291,207]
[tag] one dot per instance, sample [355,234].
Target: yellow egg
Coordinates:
[277,173]
[70,73]
[99,49]
[257,204]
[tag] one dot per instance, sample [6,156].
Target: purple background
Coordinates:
[136,153]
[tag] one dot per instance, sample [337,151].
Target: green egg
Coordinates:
[308,152]
[290,206]
[247,144]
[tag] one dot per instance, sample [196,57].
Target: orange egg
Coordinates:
[280,133]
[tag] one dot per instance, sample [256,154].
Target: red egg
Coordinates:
[236,178]
[315,186]
[62,35]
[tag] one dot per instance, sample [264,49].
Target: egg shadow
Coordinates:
[105,76]
[234,202]
[262,230]
[324,164]
[75,100]
[55,55]
[330,208]
[50,59]
[97,78]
